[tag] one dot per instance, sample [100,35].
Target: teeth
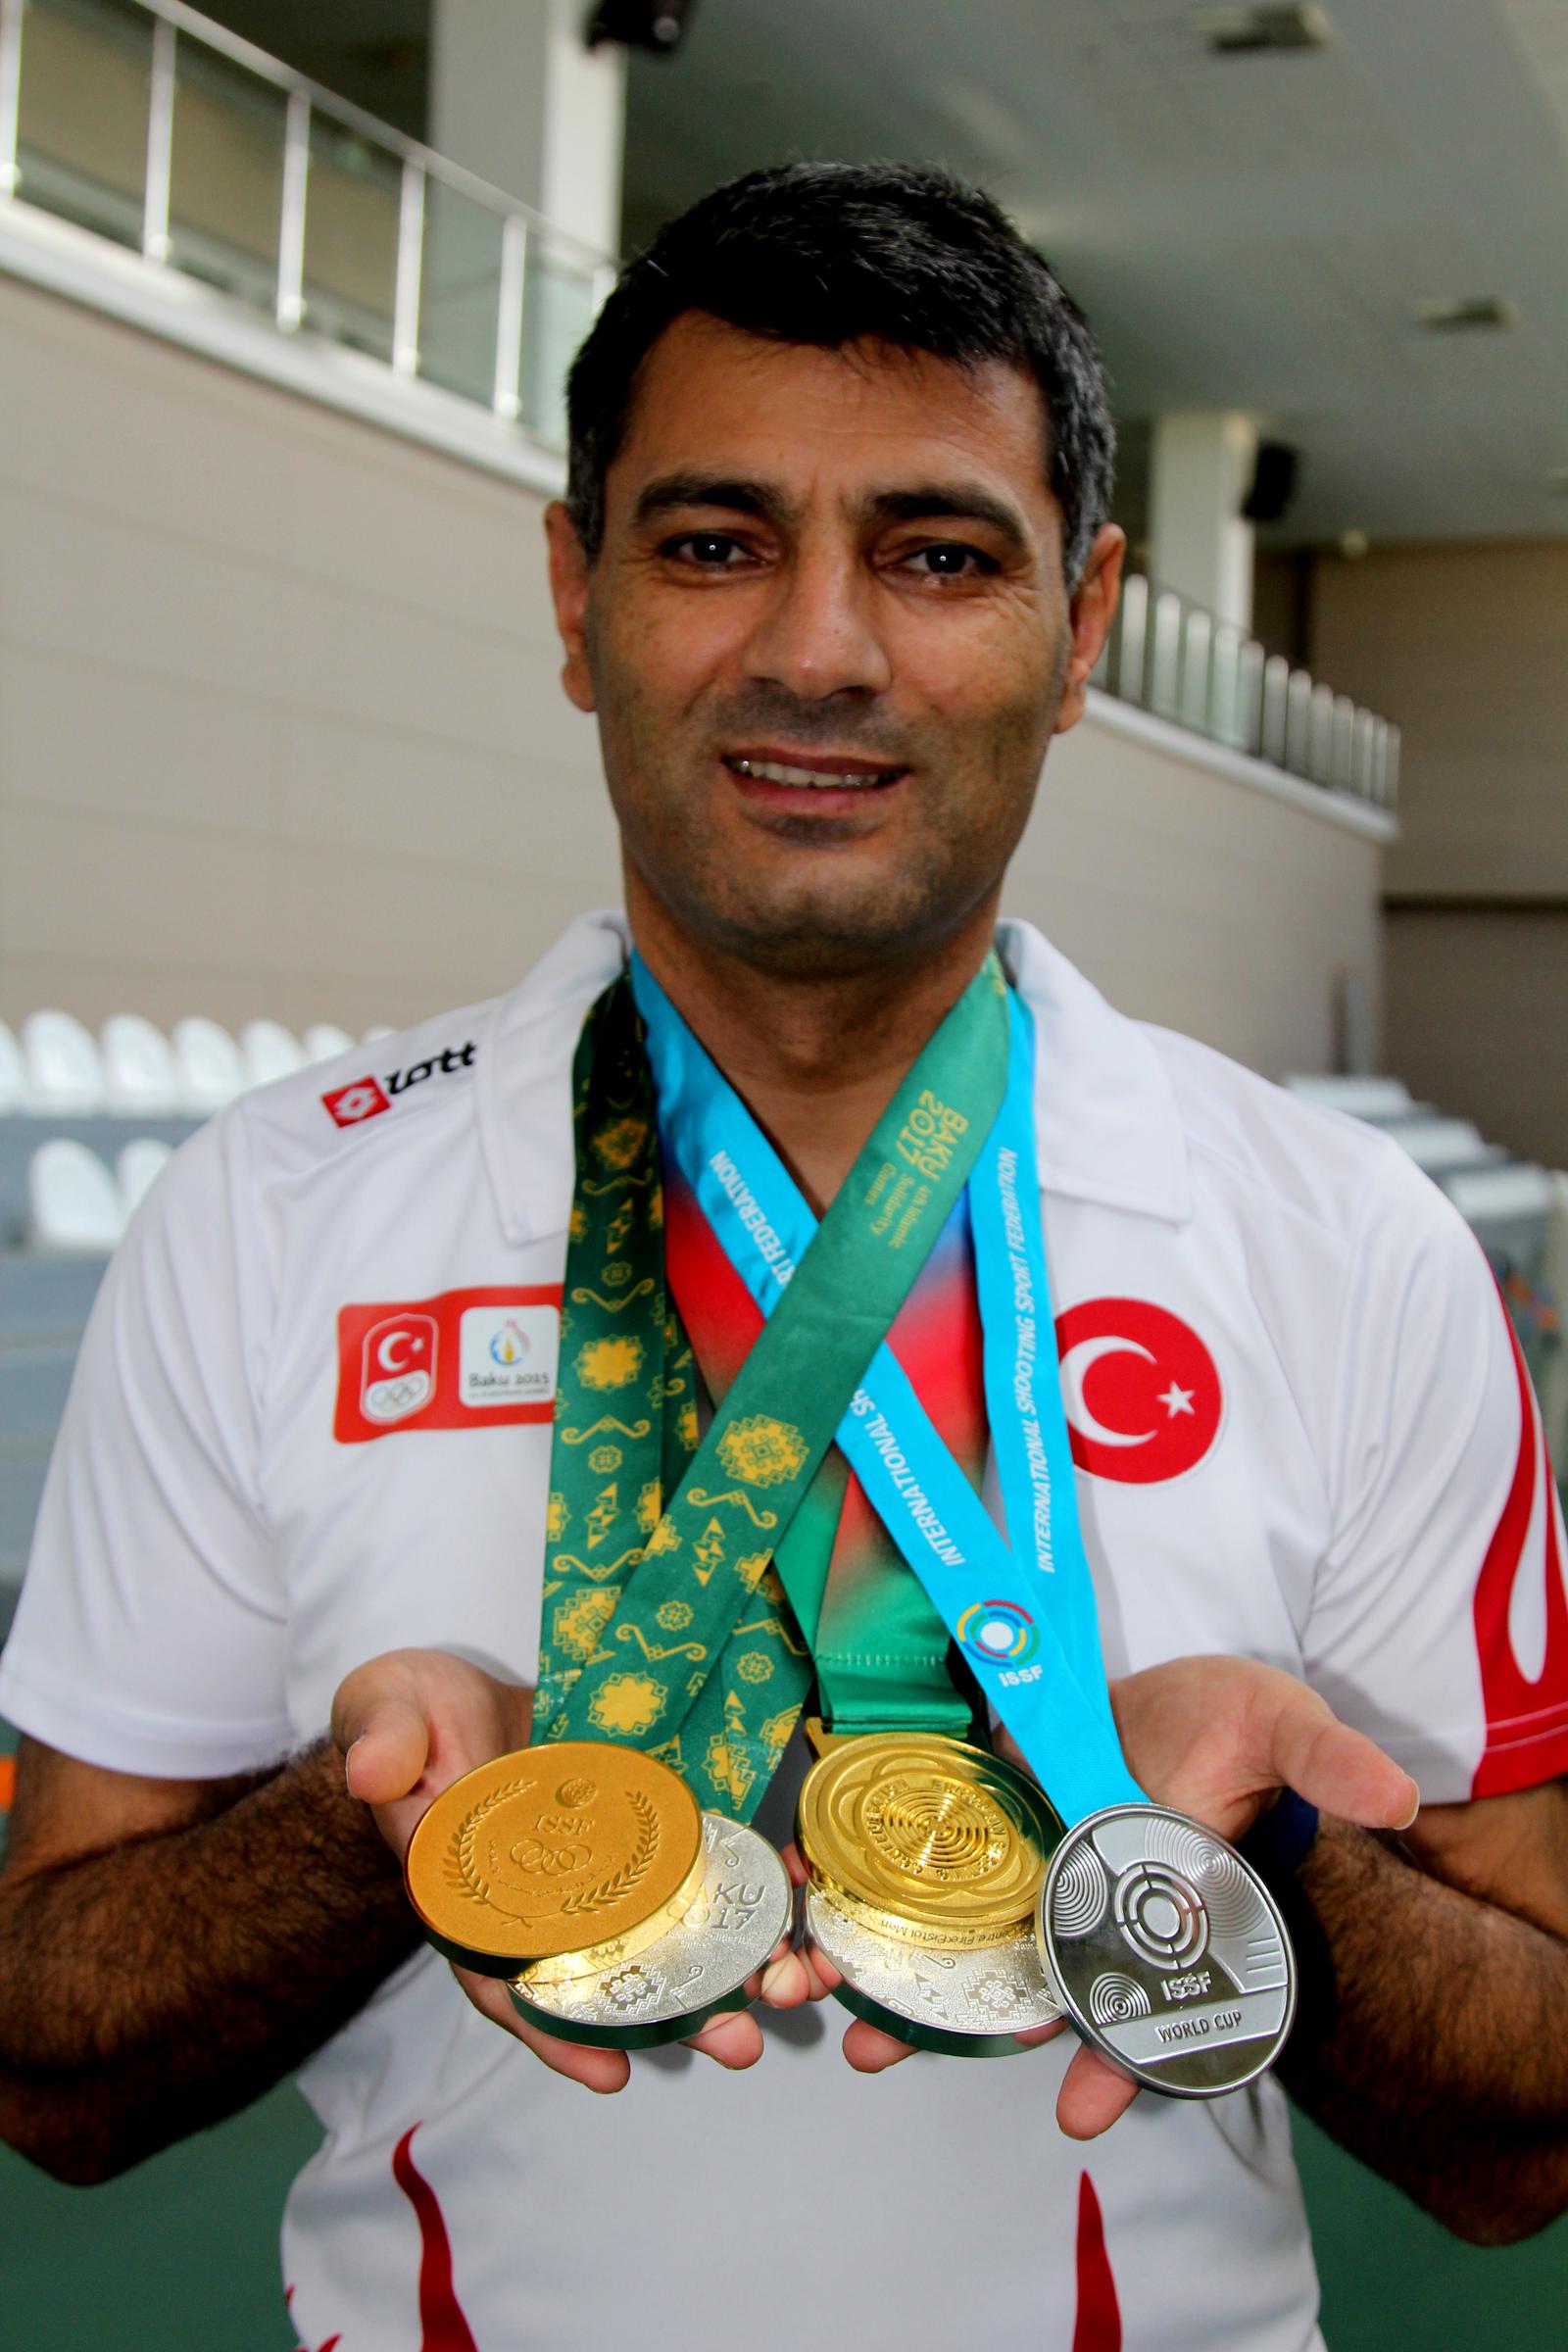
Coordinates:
[772,771]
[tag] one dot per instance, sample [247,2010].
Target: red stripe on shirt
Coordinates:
[1526,1720]
[1097,2327]
[442,2325]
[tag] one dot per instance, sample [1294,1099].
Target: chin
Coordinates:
[821,936]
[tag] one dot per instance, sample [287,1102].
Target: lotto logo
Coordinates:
[360,1099]
[363,1097]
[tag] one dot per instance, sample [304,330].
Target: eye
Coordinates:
[706,550]
[949,559]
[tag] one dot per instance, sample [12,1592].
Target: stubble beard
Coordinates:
[800,926]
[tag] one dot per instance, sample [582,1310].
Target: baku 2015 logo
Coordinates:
[1000,1632]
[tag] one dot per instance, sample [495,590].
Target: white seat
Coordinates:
[15,1091]
[1436,1145]
[271,1051]
[324,1041]
[73,1201]
[212,1068]
[1488,1196]
[1357,1097]
[64,1069]
[137,1164]
[141,1073]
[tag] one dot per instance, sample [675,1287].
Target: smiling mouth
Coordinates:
[832,778]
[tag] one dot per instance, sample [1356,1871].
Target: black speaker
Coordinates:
[1274,472]
[655,25]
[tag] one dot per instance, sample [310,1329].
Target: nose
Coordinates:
[817,634]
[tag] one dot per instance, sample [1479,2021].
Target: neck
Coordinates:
[817,1058]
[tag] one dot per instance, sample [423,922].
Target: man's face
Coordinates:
[828,640]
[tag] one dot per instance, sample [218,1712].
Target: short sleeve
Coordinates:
[149,1633]
[1440,1620]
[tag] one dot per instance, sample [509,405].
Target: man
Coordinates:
[833,569]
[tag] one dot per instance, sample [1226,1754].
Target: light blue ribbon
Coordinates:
[1023,1611]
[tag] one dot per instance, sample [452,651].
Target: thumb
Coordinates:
[1340,1770]
[384,1734]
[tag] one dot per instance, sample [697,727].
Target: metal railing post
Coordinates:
[9,92]
[1131,639]
[160,145]
[411,269]
[506,399]
[291,221]
[1249,698]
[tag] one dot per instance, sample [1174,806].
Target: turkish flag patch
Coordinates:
[1141,1391]
[466,1359]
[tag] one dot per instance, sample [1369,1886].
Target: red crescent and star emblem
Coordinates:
[1141,1391]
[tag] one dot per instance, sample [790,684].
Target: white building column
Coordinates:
[1201,470]
[515,97]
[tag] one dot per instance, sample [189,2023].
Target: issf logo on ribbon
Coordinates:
[1000,1633]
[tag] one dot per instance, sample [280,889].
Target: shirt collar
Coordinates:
[1106,1118]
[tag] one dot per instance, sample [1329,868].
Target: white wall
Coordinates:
[280,732]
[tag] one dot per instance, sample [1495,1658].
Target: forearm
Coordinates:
[1430,2039]
[151,1989]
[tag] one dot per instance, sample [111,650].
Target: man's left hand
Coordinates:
[1217,1739]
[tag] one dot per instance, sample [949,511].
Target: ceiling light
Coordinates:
[1464,314]
[1241,31]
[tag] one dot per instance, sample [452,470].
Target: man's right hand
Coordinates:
[410,1722]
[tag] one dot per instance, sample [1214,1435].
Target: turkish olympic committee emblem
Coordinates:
[1141,1391]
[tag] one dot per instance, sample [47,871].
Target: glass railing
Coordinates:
[1169,656]
[152,125]
[149,125]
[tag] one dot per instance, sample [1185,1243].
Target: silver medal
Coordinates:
[1168,1950]
[968,2003]
[667,1991]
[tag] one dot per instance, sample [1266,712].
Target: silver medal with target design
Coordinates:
[1167,1951]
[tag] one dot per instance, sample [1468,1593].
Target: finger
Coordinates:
[821,1977]
[602,2070]
[387,1744]
[790,1856]
[786,1982]
[871,2051]
[1337,1768]
[1094,2094]
[821,1967]
[734,2039]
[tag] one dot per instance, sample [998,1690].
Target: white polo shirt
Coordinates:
[311,1422]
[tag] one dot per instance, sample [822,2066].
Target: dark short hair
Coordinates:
[826,254]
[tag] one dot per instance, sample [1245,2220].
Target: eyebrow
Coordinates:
[737,495]
[920,502]
[956,502]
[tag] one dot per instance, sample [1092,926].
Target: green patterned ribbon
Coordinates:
[658,1577]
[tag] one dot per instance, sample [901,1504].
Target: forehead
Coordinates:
[711,399]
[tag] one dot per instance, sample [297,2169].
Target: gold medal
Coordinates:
[556,1853]
[924,1836]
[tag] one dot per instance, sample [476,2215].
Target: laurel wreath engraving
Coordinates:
[470,1875]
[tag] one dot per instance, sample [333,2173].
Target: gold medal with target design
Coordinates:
[926,1858]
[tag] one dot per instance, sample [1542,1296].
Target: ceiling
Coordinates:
[1253,232]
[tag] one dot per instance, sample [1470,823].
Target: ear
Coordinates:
[1091,612]
[568,588]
